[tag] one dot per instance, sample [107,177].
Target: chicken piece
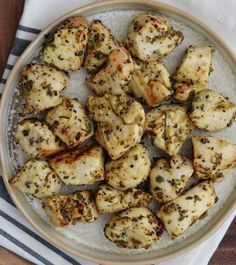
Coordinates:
[213,157]
[69,209]
[36,139]
[38,179]
[129,170]
[211,110]
[66,49]
[136,227]
[169,178]
[70,122]
[84,165]
[150,82]
[114,77]
[179,214]
[192,74]
[101,42]
[120,122]
[41,86]
[168,126]
[151,37]
[110,200]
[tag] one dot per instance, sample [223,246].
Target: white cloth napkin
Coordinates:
[16,233]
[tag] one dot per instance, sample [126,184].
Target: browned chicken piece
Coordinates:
[41,86]
[178,215]
[114,77]
[70,123]
[36,139]
[129,170]
[151,37]
[150,82]
[211,110]
[36,178]
[66,50]
[110,200]
[168,126]
[213,157]
[169,178]
[83,165]
[101,42]
[69,209]
[192,75]
[120,122]
[136,227]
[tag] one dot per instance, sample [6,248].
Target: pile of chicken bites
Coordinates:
[125,78]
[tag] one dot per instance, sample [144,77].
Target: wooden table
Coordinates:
[10,13]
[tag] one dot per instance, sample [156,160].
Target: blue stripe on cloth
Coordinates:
[3,192]
[3,81]
[38,238]
[9,66]
[25,248]
[28,29]
[19,46]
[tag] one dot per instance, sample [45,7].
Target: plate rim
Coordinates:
[105,5]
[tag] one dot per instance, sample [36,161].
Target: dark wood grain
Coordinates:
[226,252]
[10,258]
[10,13]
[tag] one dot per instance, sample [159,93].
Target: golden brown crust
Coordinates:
[80,166]
[114,77]
[70,209]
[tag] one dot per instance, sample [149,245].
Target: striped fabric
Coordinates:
[16,233]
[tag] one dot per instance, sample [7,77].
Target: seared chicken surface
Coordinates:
[168,127]
[213,157]
[169,178]
[114,77]
[120,122]
[36,139]
[150,82]
[70,123]
[129,170]
[151,37]
[110,200]
[70,209]
[101,42]
[211,110]
[179,214]
[79,166]
[66,50]
[37,178]
[192,74]
[136,227]
[41,86]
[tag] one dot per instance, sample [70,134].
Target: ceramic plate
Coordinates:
[87,240]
